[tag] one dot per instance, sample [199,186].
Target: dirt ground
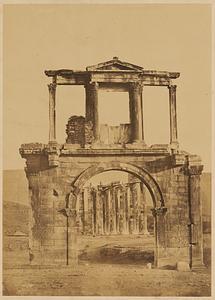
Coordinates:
[91,279]
[116,275]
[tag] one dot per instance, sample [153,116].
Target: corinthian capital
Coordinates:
[92,85]
[136,86]
[52,87]
[172,88]
[194,170]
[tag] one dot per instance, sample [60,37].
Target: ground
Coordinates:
[106,280]
[116,275]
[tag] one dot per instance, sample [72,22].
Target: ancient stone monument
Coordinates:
[57,173]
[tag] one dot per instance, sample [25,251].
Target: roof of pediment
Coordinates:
[115,65]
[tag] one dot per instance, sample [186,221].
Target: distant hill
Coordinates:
[15,186]
[15,202]
[15,218]
[206,194]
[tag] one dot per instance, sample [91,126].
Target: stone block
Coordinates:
[182,266]
[47,242]
[60,243]
[182,189]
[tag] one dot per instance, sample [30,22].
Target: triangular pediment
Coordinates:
[115,65]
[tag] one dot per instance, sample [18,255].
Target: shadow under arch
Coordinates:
[140,173]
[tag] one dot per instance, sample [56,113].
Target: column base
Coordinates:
[145,232]
[53,143]
[172,257]
[174,145]
[183,266]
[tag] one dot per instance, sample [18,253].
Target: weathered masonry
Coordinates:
[57,173]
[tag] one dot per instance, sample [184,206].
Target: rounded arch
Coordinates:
[141,173]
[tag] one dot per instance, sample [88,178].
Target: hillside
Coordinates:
[15,186]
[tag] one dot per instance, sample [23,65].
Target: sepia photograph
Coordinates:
[107,138]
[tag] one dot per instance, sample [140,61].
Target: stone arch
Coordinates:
[141,173]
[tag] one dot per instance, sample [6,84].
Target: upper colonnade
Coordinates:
[115,75]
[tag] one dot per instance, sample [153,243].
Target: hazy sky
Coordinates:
[160,37]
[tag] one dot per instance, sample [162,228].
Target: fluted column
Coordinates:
[128,208]
[85,202]
[143,215]
[91,90]
[173,115]
[124,209]
[136,114]
[52,112]
[114,211]
[108,211]
[98,212]
[117,195]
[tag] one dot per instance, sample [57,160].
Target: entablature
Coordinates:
[113,71]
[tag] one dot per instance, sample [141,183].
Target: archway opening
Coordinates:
[114,219]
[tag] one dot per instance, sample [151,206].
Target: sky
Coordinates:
[167,37]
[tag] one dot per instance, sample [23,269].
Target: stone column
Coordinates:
[195,216]
[101,200]
[128,209]
[78,214]
[94,210]
[161,253]
[143,210]
[117,201]
[85,202]
[113,204]
[91,90]
[71,231]
[124,209]
[136,114]
[98,227]
[173,115]
[108,212]
[104,209]
[52,112]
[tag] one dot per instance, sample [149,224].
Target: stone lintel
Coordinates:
[71,73]
[113,79]
[114,152]
[112,71]
[75,150]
